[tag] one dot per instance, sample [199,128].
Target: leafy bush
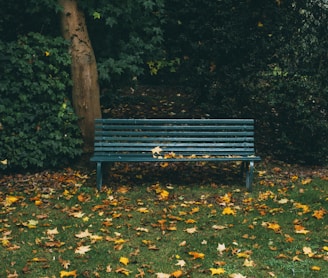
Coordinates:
[261,59]
[38,127]
[125,35]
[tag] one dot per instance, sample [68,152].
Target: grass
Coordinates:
[55,224]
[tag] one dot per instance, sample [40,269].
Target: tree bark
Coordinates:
[85,94]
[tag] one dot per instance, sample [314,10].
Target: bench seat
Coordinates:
[175,140]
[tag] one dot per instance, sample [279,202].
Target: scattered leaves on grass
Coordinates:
[153,229]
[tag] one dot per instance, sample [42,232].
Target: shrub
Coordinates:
[38,127]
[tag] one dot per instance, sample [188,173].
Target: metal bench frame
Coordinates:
[175,140]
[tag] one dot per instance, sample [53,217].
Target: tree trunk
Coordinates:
[85,94]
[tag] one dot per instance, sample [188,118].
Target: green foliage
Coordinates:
[125,34]
[38,125]
[261,59]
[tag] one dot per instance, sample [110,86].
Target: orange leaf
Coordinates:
[319,214]
[197,255]
[177,273]
[299,229]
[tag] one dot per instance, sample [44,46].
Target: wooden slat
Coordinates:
[126,138]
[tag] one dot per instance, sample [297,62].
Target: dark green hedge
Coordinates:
[38,127]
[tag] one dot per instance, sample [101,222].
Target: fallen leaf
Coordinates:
[156,151]
[64,273]
[221,248]
[122,270]
[299,229]
[177,273]
[306,181]
[84,234]
[197,255]
[296,259]
[319,214]
[124,260]
[219,227]
[249,263]
[191,230]
[82,249]
[181,263]
[162,275]
[228,211]
[52,232]
[143,210]
[13,275]
[316,268]
[217,271]
[236,275]
[308,251]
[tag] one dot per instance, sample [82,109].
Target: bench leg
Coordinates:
[99,175]
[243,166]
[249,175]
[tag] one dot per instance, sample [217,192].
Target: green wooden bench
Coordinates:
[175,140]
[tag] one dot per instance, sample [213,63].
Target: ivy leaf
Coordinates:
[96,15]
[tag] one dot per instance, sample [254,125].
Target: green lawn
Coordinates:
[178,221]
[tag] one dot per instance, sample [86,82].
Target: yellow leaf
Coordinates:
[164,195]
[315,268]
[296,259]
[10,200]
[305,208]
[242,255]
[274,226]
[119,241]
[39,260]
[197,255]
[217,271]
[31,224]
[143,210]
[190,221]
[228,211]
[124,260]
[260,24]
[194,210]
[68,273]
[306,181]
[325,248]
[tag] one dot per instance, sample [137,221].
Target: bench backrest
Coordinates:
[214,137]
